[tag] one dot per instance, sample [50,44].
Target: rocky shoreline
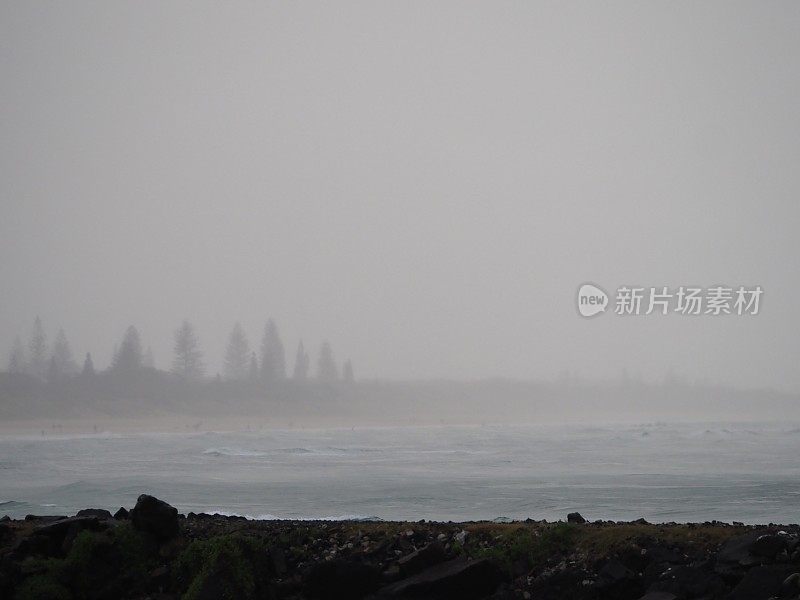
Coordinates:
[153,552]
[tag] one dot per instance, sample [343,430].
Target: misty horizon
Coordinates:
[426,196]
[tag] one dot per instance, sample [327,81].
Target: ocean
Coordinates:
[662,472]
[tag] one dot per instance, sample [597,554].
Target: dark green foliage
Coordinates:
[110,564]
[228,567]
[42,587]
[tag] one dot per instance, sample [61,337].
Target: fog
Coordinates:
[425,186]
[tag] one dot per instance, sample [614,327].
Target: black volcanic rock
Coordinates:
[768,546]
[155,516]
[689,582]
[100,513]
[421,559]
[736,551]
[762,582]
[341,579]
[575,517]
[122,514]
[457,579]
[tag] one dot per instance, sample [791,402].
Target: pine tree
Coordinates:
[88,366]
[301,363]
[253,373]
[16,360]
[188,361]
[62,354]
[147,360]
[38,350]
[347,371]
[53,372]
[237,355]
[128,356]
[326,364]
[273,359]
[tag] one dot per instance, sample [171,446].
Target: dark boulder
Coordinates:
[45,518]
[122,514]
[335,579]
[615,580]
[62,533]
[575,517]
[155,516]
[689,582]
[791,585]
[56,528]
[421,559]
[459,578]
[100,513]
[34,545]
[5,519]
[736,551]
[768,546]
[558,584]
[762,582]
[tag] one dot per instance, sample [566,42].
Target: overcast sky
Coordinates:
[424,184]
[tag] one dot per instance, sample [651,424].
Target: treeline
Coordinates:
[56,364]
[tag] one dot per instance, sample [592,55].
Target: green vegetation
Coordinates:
[99,565]
[229,567]
[530,546]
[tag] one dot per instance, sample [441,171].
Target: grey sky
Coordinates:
[424,184]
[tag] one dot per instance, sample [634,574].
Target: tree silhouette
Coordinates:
[301,363]
[347,371]
[188,361]
[128,356]
[253,372]
[147,360]
[38,350]
[273,359]
[326,364]
[53,372]
[62,354]
[16,360]
[237,355]
[88,366]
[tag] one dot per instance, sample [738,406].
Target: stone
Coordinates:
[421,559]
[761,582]
[61,527]
[45,518]
[791,585]
[155,516]
[122,514]
[100,513]
[689,582]
[736,551]
[459,578]
[768,546]
[575,517]
[341,579]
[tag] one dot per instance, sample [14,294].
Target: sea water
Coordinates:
[662,472]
